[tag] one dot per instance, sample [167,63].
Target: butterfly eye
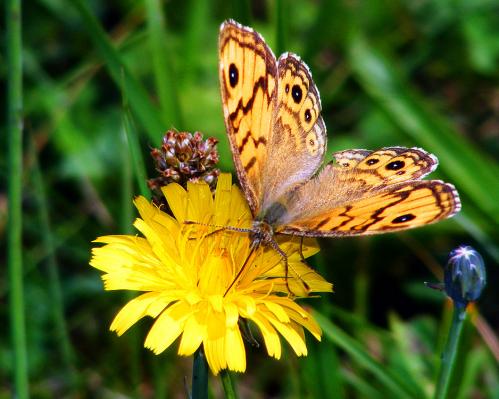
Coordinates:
[372,161]
[287,89]
[404,218]
[296,93]
[233,75]
[395,165]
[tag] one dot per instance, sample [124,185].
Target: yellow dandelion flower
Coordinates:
[187,273]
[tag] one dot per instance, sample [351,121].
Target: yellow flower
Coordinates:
[188,272]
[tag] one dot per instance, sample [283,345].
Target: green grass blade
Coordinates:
[14,217]
[126,187]
[321,372]
[473,173]
[57,303]
[477,362]
[197,24]
[410,365]
[139,100]
[126,219]
[162,55]
[133,144]
[360,355]
[361,385]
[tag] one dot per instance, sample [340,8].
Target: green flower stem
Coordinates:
[449,355]
[14,227]
[228,384]
[199,376]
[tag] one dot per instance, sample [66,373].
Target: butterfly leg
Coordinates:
[284,257]
[286,265]
[302,258]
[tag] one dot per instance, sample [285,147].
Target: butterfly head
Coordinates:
[262,233]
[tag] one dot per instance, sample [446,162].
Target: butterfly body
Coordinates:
[278,139]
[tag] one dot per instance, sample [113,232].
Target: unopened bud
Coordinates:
[464,276]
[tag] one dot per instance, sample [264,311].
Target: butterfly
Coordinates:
[272,112]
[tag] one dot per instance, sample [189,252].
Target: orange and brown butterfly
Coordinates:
[272,113]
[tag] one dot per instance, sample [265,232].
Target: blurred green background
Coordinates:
[421,73]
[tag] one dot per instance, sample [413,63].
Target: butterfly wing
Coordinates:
[298,140]
[368,192]
[272,115]
[247,71]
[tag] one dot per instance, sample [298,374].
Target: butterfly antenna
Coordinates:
[219,227]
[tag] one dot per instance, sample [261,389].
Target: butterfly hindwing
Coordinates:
[298,140]
[367,197]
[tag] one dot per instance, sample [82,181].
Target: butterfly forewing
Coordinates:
[247,71]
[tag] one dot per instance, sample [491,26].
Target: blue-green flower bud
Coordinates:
[464,276]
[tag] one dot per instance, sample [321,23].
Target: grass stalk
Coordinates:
[14,224]
[162,59]
[56,292]
[137,161]
[126,218]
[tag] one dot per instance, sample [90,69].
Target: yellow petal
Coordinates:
[277,311]
[134,311]
[269,334]
[168,327]
[231,314]
[214,349]
[200,203]
[289,333]
[192,337]
[121,251]
[177,200]
[215,325]
[234,350]
[223,199]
